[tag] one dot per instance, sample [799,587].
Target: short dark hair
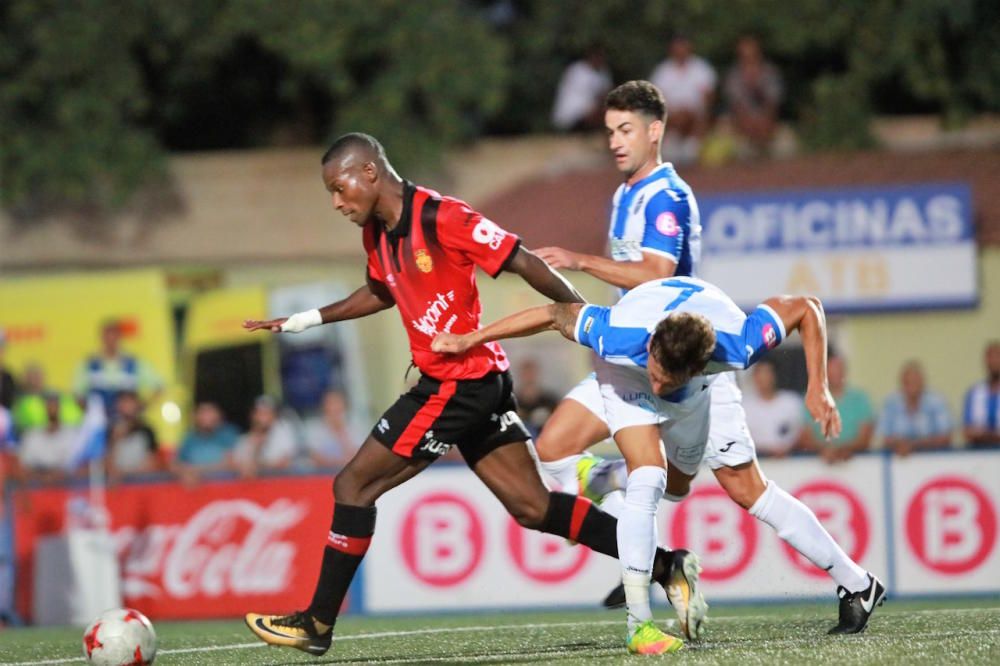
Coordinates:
[639,96]
[683,343]
[354,141]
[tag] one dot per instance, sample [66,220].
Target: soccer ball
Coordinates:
[120,637]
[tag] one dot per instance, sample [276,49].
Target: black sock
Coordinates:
[350,533]
[574,517]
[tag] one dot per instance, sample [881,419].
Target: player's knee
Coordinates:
[744,494]
[530,515]
[347,489]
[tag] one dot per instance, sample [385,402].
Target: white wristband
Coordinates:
[300,321]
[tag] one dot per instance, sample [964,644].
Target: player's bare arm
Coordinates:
[624,274]
[805,314]
[542,277]
[366,300]
[555,317]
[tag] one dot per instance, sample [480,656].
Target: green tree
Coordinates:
[93,91]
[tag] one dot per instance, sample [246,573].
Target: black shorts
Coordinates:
[476,415]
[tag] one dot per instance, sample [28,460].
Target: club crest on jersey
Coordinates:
[424,262]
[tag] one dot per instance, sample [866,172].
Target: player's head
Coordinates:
[354,169]
[634,116]
[679,349]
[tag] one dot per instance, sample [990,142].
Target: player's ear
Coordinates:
[656,130]
[370,171]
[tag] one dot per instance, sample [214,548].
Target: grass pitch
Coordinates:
[953,632]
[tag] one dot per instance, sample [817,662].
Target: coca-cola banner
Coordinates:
[216,550]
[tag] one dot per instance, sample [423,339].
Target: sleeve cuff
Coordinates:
[506,262]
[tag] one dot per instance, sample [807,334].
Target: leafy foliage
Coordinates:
[94,91]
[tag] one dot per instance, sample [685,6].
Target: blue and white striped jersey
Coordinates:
[620,333]
[982,408]
[658,214]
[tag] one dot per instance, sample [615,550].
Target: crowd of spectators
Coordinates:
[54,436]
[751,95]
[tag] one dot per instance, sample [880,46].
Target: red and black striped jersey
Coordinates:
[428,263]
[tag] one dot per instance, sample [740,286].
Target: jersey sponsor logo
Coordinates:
[424,262]
[640,399]
[587,325]
[488,233]
[666,224]
[428,324]
[624,249]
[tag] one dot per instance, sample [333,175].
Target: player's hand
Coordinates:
[449,343]
[273,325]
[823,409]
[557,257]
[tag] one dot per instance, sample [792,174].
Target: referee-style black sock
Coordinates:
[576,518]
[350,533]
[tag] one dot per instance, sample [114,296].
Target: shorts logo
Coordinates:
[667,225]
[507,419]
[488,233]
[424,262]
[383,426]
[770,336]
[432,445]
[640,399]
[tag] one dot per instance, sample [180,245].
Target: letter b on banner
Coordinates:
[842,514]
[545,558]
[442,539]
[951,525]
[712,525]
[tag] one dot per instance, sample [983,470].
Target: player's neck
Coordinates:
[647,168]
[389,208]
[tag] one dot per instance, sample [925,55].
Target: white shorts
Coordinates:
[728,438]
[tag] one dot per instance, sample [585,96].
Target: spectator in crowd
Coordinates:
[332,437]
[981,415]
[46,453]
[856,415]
[207,447]
[112,371]
[914,418]
[687,82]
[132,445]
[8,387]
[271,442]
[753,92]
[535,403]
[29,409]
[774,416]
[579,104]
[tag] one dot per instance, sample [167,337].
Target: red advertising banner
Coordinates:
[220,549]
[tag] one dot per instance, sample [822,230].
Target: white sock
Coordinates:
[614,503]
[564,473]
[799,527]
[608,476]
[637,539]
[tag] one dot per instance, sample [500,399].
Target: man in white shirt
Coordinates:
[579,101]
[773,416]
[688,85]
